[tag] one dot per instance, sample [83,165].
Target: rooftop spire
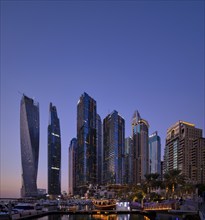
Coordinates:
[136,117]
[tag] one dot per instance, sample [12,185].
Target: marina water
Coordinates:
[108,217]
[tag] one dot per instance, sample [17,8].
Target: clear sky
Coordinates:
[127,55]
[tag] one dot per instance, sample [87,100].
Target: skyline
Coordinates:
[145,56]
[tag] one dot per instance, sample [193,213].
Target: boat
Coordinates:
[23,208]
[105,204]
[73,208]
[136,206]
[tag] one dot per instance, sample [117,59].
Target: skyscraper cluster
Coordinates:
[100,154]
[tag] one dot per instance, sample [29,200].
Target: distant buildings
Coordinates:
[29,137]
[86,160]
[71,166]
[128,158]
[155,153]
[41,192]
[54,153]
[140,136]
[113,149]
[99,151]
[185,151]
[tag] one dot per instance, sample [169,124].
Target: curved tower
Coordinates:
[29,137]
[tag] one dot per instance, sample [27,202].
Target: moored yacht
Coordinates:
[106,204]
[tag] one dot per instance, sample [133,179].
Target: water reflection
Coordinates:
[107,217]
[95,217]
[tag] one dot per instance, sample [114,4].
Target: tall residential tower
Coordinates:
[185,151]
[54,153]
[113,149]
[86,159]
[29,135]
[140,131]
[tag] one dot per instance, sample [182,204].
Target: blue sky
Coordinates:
[127,55]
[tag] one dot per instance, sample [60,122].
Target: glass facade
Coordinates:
[54,153]
[113,149]
[86,159]
[29,137]
[155,153]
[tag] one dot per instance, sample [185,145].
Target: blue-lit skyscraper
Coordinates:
[54,153]
[155,153]
[29,135]
[140,131]
[113,149]
[86,153]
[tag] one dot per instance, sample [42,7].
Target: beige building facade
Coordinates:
[185,151]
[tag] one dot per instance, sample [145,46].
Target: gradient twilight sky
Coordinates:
[127,55]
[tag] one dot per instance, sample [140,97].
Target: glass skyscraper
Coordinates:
[140,130]
[113,149]
[155,153]
[86,153]
[54,153]
[29,137]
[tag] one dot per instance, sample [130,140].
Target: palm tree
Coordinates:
[187,188]
[172,179]
[136,192]
[151,181]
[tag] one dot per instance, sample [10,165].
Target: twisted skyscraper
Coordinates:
[29,135]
